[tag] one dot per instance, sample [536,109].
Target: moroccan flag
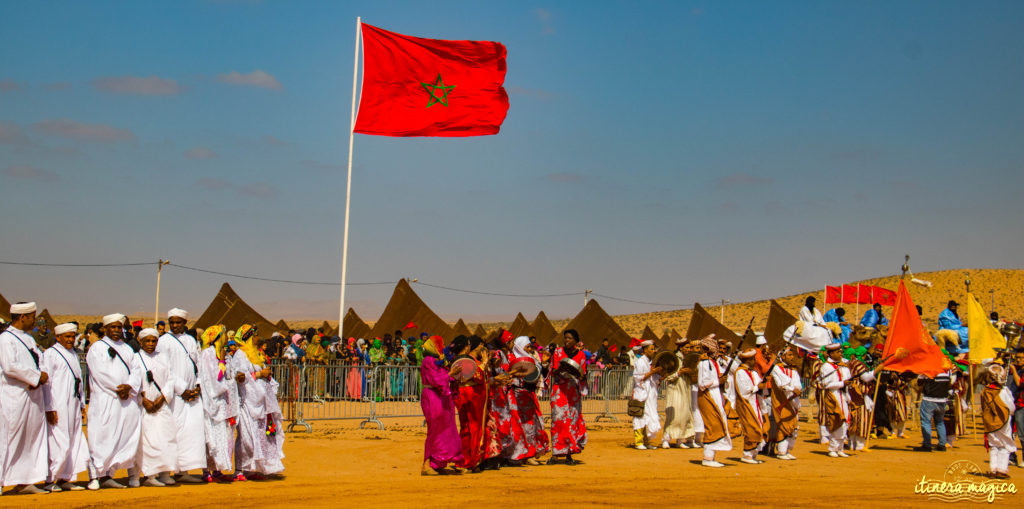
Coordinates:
[410,325]
[863,294]
[430,87]
[137,323]
[850,294]
[883,296]
[982,335]
[833,295]
[909,341]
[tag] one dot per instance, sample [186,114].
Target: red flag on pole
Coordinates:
[430,87]
[883,296]
[849,294]
[913,348]
[833,295]
[410,325]
[863,294]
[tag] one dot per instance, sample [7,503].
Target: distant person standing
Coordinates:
[23,403]
[69,452]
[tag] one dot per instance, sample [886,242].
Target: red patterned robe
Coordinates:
[503,434]
[530,418]
[568,431]
[471,402]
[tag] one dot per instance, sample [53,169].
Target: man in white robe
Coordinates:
[836,417]
[814,334]
[23,403]
[157,454]
[114,416]
[787,388]
[181,353]
[65,404]
[711,403]
[748,386]
[645,388]
[679,398]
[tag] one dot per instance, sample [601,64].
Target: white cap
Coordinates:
[760,341]
[179,313]
[148,332]
[113,318]
[646,343]
[65,328]
[23,308]
[833,346]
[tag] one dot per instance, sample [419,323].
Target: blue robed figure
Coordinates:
[874,317]
[838,315]
[949,319]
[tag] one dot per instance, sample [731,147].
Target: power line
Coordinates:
[78,264]
[257,278]
[685,306]
[497,294]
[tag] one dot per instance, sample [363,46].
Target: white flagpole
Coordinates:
[348,185]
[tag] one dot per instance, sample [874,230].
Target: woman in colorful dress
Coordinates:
[535,437]
[442,451]
[568,431]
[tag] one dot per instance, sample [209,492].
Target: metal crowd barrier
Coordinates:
[334,391]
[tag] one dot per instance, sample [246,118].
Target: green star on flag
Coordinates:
[433,88]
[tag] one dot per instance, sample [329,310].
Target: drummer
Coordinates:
[569,370]
[645,388]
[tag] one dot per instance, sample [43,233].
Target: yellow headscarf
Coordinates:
[434,346]
[248,346]
[216,337]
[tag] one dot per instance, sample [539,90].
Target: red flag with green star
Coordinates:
[430,87]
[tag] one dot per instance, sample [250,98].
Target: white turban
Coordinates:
[148,332]
[65,328]
[646,343]
[760,341]
[23,308]
[113,318]
[178,312]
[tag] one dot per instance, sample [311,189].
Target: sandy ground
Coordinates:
[340,465]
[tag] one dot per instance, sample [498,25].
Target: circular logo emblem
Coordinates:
[962,470]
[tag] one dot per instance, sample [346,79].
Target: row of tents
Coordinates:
[407,312]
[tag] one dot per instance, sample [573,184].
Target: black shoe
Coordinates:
[940,448]
[925,448]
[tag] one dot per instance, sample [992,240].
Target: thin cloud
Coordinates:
[545,17]
[200,153]
[57,87]
[26,172]
[256,78]
[566,177]
[71,129]
[11,134]
[273,140]
[739,180]
[137,85]
[9,86]
[252,189]
[319,165]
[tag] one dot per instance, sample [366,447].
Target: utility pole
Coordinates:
[724,302]
[586,296]
[992,293]
[159,268]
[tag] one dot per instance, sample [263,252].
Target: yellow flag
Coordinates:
[982,335]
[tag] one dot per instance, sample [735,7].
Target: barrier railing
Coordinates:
[334,391]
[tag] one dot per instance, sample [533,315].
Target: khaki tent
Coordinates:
[520,327]
[5,309]
[231,311]
[594,325]
[702,324]
[404,307]
[543,329]
[282,326]
[665,342]
[328,330]
[354,327]
[460,329]
[649,333]
[674,335]
[480,332]
[778,321]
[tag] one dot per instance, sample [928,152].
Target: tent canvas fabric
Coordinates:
[703,323]
[520,327]
[480,332]
[674,335]
[404,307]
[778,321]
[664,342]
[228,309]
[328,330]
[5,309]
[649,333]
[354,327]
[594,325]
[460,329]
[282,326]
[543,329]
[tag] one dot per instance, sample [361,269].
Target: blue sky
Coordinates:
[663,151]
